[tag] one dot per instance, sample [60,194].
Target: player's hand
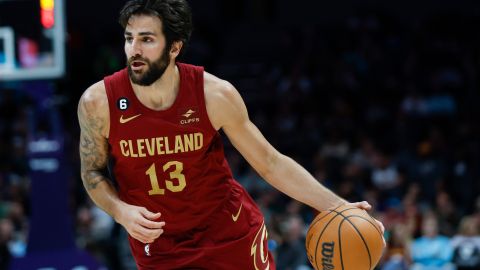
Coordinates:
[366,206]
[140,223]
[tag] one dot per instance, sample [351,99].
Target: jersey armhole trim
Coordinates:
[110,98]
[201,76]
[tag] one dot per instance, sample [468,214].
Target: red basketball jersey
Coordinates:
[169,161]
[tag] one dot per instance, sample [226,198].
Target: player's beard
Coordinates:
[154,70]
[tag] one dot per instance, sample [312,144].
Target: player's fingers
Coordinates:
[382,228]
[362,205]
[157,234]
[150,215]
[149,234]
[154,234]
[142,238]
[151,224]
[380,225]
[139,237]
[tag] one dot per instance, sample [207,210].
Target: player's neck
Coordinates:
[162,93]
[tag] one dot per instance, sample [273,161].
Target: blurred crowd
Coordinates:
[374,108]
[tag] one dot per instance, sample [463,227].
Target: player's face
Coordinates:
[145,48]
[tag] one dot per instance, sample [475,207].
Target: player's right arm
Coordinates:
[93,117]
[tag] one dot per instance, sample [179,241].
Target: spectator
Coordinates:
[466,245]
[327,99]
[6,235]
[447,213]
[292,250]
[397,253]
[386,176]
[431,251]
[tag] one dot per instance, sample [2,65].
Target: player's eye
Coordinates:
[129,39]
[147,39]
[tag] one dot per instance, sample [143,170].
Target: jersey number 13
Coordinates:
[169,184]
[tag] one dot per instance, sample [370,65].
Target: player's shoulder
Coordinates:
[217,89]
[223,101]
[93,108]
[94,103]
[95,96]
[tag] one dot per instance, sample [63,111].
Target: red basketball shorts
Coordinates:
[234,238]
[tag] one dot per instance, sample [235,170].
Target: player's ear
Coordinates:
[176,48]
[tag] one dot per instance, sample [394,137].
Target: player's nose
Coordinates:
[136,48]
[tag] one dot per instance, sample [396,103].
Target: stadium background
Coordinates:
[379,100]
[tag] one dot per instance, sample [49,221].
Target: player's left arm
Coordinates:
[227,110]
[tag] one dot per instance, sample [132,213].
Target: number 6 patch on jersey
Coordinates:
[123,103]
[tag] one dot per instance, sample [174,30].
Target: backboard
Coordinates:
[32,39]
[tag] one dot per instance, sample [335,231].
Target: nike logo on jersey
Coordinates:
[235,217]
[125,120]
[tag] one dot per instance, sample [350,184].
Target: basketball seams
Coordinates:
[315,221]
[326,225]
[358,232]
[320,236]
[328,213]
[369,221]
[361,236]
[340,242]
[316,225]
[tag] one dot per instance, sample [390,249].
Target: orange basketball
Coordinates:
[346,238]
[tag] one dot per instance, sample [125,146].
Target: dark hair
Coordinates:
[175,15]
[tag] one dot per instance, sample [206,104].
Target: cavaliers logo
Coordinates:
[259,250]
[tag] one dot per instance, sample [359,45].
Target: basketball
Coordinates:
[346,238]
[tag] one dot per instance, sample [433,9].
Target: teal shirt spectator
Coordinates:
[432,252]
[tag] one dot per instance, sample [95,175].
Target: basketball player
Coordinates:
[157,123]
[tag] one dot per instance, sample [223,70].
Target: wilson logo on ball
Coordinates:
[327,253]
[345,238]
